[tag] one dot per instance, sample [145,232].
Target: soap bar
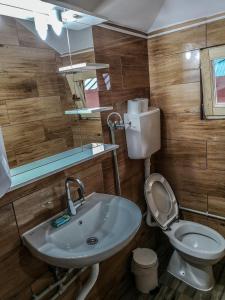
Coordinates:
[60,221]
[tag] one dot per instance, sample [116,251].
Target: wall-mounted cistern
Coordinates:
[73,206]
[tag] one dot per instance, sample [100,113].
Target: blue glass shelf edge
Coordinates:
[29,173]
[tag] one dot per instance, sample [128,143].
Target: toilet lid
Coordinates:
[161,200]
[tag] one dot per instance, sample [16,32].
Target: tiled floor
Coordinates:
[173,289]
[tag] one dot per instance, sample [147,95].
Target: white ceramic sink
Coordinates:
[107,221]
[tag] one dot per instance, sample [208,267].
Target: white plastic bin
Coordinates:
[145,268]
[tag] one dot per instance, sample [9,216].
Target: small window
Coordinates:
[213,80]
[90,84]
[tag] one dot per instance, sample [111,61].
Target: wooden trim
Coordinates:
[126,30]
[206,79]
[186,25]
[209,99]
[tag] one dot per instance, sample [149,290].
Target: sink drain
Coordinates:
[92,240]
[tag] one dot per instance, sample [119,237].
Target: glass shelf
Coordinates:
[90,110]
[43,168]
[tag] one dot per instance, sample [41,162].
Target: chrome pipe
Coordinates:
[115,160]
[113,125]
[199,212]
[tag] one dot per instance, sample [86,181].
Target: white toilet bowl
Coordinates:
[197,247]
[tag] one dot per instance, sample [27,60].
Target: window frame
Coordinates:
[212,109]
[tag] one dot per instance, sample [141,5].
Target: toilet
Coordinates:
[196,247]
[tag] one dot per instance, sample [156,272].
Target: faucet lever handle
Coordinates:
[81,189]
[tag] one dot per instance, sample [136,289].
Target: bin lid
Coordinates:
[144,257]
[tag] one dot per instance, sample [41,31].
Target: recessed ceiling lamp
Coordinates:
[71,16]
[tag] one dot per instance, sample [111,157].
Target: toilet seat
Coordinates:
[161,200]
[196,240]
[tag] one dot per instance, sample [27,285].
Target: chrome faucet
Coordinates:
[73,206]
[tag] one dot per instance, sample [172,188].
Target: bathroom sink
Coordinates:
[101,228]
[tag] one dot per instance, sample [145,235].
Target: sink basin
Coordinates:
[101,228]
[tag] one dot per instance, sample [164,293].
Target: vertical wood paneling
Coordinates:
[192,155]
[9,236]
[174,69]
[180,98]
[215,33]
[178,42]
[8,33]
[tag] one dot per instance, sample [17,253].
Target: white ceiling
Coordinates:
[149,15]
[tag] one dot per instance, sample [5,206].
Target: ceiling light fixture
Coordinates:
[71,16]
[54,20]
[41,26]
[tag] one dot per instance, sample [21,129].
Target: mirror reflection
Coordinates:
[37,39]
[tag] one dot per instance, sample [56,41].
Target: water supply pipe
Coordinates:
[62,284]
[113,125]
[59,284]
[90,283]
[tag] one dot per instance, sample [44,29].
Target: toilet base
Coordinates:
[198,277]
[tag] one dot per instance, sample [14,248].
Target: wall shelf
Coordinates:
[82,67]
[90,110]
[43,168]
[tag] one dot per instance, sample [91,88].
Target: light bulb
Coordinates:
[188,55]
[41,26]
[55,22]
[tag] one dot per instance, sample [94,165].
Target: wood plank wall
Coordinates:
[32,97]
[128,72]
[193,150]
[20,210]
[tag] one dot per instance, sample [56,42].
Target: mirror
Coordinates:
[38,38]
[213,82]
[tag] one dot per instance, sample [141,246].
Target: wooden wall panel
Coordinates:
[9,236]
[22,134]
[4,119]
[28,39]
[179,98]
[216,205]
[184,154]
[174,69]
[192,200]
[215,155]
[215,33]
[88,57]
[191,127]
[135,76]
[17,86]
[33,109]
[8,34]
[192,155]
[178,42]
[34,152]
[18,271]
